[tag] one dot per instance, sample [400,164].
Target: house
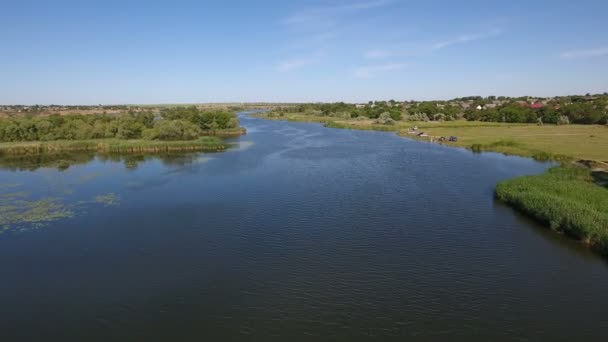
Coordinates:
[537,105]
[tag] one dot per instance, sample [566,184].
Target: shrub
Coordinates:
[189,122]
[563,120]
[174,130]
[385,119]
[417,117]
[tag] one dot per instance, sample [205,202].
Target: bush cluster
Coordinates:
[180,123]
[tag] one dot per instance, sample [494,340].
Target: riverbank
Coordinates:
[205,144]
[227,133]
[569,199]
[547,142]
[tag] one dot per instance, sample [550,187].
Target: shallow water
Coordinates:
[299,233]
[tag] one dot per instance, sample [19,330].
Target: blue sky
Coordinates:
[110,52]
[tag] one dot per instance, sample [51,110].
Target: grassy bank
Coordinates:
[547,142]
[589,142]
[207,143]
[566,199]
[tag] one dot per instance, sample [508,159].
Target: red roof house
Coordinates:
[537,105]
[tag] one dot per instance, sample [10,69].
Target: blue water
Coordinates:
[299,233]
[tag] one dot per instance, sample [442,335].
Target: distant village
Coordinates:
[481,103]
[45,110]
[589,109]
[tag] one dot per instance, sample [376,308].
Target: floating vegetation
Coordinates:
[25,207]
[33,213]
[107,200]
[19,211]
[14,195]
[9,185]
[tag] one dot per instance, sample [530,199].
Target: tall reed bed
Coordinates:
[566,199]
[206,143]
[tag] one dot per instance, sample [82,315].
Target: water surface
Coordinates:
[300,233]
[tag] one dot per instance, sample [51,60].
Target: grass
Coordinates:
[566,199]
[207,143]
[588,142]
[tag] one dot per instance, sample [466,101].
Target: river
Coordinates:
[301,233]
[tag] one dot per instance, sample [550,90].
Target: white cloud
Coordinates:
[465,38]
[575,54]
[369,71]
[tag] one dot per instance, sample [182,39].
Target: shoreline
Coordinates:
[507,147]
[581,212]
[205,143]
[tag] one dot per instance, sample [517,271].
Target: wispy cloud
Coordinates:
[314,15]
[369,71]
[422,48]
[589,53]
[316,27]
[297,63]
[465,38]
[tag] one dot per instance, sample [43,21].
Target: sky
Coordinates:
[153,52]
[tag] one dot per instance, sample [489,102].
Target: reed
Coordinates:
[227,132]
[566,199]
[206,143]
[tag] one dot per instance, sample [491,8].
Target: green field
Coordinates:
[589,142]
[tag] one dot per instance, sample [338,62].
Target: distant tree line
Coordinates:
[372,110]
[570,109]
[578,112]
[179,123]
